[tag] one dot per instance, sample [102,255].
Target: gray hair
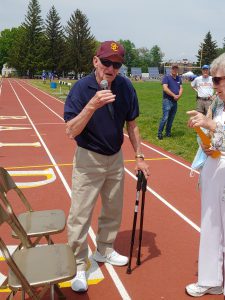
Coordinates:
[218,64]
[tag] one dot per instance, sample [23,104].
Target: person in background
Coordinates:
[95,116]
[172,91]
[203,86]
[211,261]
[44,76]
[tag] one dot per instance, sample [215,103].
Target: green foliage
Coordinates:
[81,44]
[27,55]
[142,57]
[55,48]
[156,56]
[7,38]
[183,141]
[208,50]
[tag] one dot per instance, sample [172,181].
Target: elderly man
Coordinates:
[96,110]
[203,85]
[172,91]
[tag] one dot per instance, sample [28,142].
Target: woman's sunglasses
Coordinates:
[216,80]
[108,63]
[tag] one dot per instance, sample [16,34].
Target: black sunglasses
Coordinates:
[108,63]
[216,80]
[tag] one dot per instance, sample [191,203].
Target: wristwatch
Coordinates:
[140,155]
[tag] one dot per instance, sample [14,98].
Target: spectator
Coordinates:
[95,118]
[172,91]
[204,88]
[44,76]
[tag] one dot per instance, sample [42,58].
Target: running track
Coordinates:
[172,211]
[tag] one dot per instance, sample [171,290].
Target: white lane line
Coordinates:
[165,155]
[41,102]
[147,146]
[118,283]
[192,224]
[34,87]
[182,216]
[186,219]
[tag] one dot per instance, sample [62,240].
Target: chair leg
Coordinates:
[52,290]
[11,295]
[59,292]
[23,295]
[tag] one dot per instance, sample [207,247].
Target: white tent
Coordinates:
[188,74]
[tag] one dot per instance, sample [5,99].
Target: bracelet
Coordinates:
[140,155]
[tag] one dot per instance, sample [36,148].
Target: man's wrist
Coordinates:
[140,155]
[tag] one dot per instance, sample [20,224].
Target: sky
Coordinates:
[177,27]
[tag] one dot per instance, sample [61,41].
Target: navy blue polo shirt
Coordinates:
[102,134]
[173,84]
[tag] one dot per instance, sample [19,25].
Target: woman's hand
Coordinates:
[197,119]
[207,150]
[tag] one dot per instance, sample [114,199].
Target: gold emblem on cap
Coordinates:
[114,47]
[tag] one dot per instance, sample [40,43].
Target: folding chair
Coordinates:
[35,270]
[37,224]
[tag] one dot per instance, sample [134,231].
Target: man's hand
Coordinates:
[101,98]
[143,166]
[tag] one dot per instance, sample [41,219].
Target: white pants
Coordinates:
[211,256]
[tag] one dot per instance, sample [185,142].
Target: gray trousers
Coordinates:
[95,174]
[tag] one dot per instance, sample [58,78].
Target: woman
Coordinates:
[212,239]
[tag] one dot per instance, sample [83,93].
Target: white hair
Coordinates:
[218,64]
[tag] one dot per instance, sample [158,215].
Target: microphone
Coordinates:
[105,86]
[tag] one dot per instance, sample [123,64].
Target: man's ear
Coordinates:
[95,61]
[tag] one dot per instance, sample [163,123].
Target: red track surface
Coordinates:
[170,240]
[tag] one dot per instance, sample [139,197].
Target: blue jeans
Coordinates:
[169,109]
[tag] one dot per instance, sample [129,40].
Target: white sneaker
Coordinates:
[113,258]
[79,282]
[197,290]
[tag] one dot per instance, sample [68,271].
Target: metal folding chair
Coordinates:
[35,270]
[36,224]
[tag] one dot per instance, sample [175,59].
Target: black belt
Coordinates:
[204,98]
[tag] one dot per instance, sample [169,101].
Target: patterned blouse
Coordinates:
[216,112]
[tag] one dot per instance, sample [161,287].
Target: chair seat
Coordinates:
[46,222]
[44,264]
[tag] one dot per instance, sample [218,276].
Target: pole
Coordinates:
[139,183]
[144,184]
[201,55]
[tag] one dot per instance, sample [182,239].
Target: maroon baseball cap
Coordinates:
[111,48]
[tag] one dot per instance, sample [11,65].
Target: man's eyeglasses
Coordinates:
[216,80]
[108,63]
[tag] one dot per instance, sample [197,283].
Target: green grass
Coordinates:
[183,141]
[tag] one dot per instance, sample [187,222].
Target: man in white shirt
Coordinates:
[204,87]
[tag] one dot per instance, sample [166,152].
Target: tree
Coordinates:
[131,54]
[55,41]
[7,38]
[81,44]
[144,59]
[221,50]
[208,51]
[17,55]
[156,56]
[27,56]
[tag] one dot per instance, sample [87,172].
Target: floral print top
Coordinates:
[216,112]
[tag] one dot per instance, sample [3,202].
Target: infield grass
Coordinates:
[183,141]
